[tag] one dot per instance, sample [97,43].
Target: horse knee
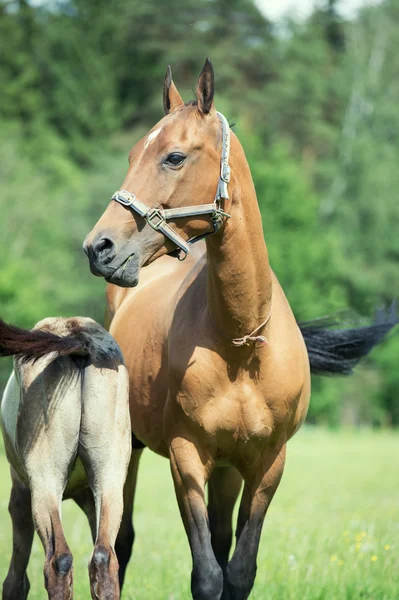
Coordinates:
[207,583]
[103,571]
[240,581]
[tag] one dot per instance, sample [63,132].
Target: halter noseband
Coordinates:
[157,217]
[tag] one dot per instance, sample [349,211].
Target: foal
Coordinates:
[66,430]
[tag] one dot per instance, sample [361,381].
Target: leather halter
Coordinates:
[157,217]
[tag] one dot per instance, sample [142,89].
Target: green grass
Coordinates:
[332,531]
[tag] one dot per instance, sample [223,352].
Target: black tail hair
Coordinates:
[30,345]
[337,351]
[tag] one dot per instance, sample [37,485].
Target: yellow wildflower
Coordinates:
[387,547]
[333,558]
[374,558]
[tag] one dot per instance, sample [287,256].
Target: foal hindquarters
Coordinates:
[66,414]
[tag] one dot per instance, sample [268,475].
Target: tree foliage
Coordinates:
[315,104]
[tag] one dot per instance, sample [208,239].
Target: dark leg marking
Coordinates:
[259,489]
[16,585]
[125,538]
[189,477]
[224,486]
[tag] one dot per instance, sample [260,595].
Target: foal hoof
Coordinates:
[103,571]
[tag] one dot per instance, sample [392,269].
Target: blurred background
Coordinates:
[314,94]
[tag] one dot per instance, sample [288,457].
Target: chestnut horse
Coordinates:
[219,369]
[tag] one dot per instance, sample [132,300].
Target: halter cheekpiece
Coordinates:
[157,217]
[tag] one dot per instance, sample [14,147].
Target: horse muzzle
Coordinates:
[120,267]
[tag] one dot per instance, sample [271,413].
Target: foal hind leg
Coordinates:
[261,482]
[58,574]
[49,451]
[105,447]
[189,471]
[16,585]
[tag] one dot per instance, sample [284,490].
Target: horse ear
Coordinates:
[171,97]
[205,88]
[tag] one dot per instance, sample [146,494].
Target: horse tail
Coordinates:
[337,351]
[30,345]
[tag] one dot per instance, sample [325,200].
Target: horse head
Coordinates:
[173,191]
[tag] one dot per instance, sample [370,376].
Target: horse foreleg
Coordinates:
[261,482]
[125,538]
[189,472]
[224,486]
[16,585]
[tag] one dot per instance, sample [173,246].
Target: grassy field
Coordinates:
[332,531]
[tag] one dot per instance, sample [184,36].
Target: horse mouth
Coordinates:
[127,274]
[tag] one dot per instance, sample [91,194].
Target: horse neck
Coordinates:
[239,277]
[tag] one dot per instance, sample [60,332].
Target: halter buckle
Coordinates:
[152,218]
[121,198]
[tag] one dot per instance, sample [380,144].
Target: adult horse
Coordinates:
[219,370]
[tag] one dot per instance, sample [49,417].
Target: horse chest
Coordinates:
[231,411]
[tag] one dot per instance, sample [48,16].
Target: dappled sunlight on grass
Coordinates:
[331,533]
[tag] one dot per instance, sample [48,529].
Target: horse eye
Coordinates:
[175,159]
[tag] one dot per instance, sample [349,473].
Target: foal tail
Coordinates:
[337,351]
[30,345]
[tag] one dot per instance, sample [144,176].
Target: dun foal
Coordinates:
[66,428]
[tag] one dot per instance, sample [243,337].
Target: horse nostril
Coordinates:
[103,245]
[104,249]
